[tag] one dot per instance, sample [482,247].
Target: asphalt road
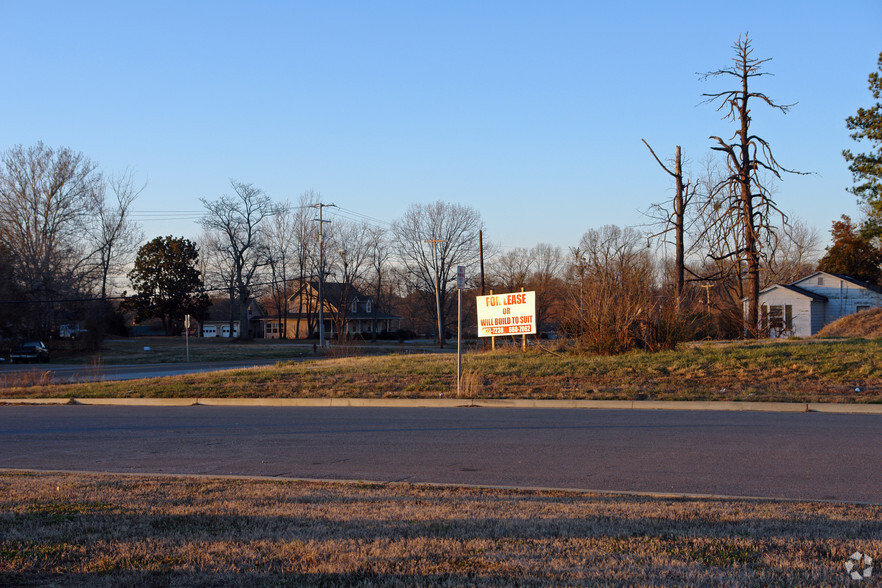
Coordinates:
[88,373]
[783,455]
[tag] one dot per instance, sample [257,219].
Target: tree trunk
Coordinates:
[244,333]
[679,224]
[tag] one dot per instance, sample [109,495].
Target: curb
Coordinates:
[696,405]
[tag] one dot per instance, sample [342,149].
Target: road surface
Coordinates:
[783,455]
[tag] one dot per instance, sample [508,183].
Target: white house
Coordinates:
[217,320]
[803,307]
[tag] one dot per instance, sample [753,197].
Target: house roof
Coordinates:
[848,279]
[794,289]
[804,292]
[337,294]
[220,310]
[333,292]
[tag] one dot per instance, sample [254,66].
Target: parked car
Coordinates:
[29,351]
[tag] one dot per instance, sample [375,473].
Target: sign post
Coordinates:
[187,334]
[460,286]
[507,314]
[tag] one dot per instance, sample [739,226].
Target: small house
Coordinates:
[804,307]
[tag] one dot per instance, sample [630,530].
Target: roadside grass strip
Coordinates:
[811,371]
[110,530]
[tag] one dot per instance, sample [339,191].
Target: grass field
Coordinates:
[91,530]
[174,350]
[836,370]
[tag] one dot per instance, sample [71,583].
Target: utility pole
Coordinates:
[321,303]
[434,243]
[481,250]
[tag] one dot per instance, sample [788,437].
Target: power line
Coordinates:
[131,296]
[363,217]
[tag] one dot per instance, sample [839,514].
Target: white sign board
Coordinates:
[507,314]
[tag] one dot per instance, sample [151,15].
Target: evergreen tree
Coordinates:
[167,283]
[866,168]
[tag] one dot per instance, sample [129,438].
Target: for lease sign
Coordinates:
[507,314]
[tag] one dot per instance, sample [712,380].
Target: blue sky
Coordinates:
[530,112]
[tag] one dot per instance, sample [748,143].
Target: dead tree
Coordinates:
[675,220]
[748,198]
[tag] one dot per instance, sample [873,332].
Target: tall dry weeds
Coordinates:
[472,384]
[27,379]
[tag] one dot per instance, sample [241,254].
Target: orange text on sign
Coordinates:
[506,300]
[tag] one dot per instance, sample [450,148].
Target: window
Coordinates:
[861,307]
[820,281]
[777,319]
[367,306]
[355,305]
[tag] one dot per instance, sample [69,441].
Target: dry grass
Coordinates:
[785,371]
[65,529]
[867,324]
[27,379]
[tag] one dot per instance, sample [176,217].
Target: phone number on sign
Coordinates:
[509,330]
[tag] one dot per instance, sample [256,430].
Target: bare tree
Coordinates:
[238,219]
[454,230]
[716,255]
[45,195]
[379,253]
[281,236]
[511,270]
[349,259]
[113,235]
[747,155]
[674,219]
[217,269]
[307,236]
[537,269]
[796,253]
[547,281]
[615,303]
